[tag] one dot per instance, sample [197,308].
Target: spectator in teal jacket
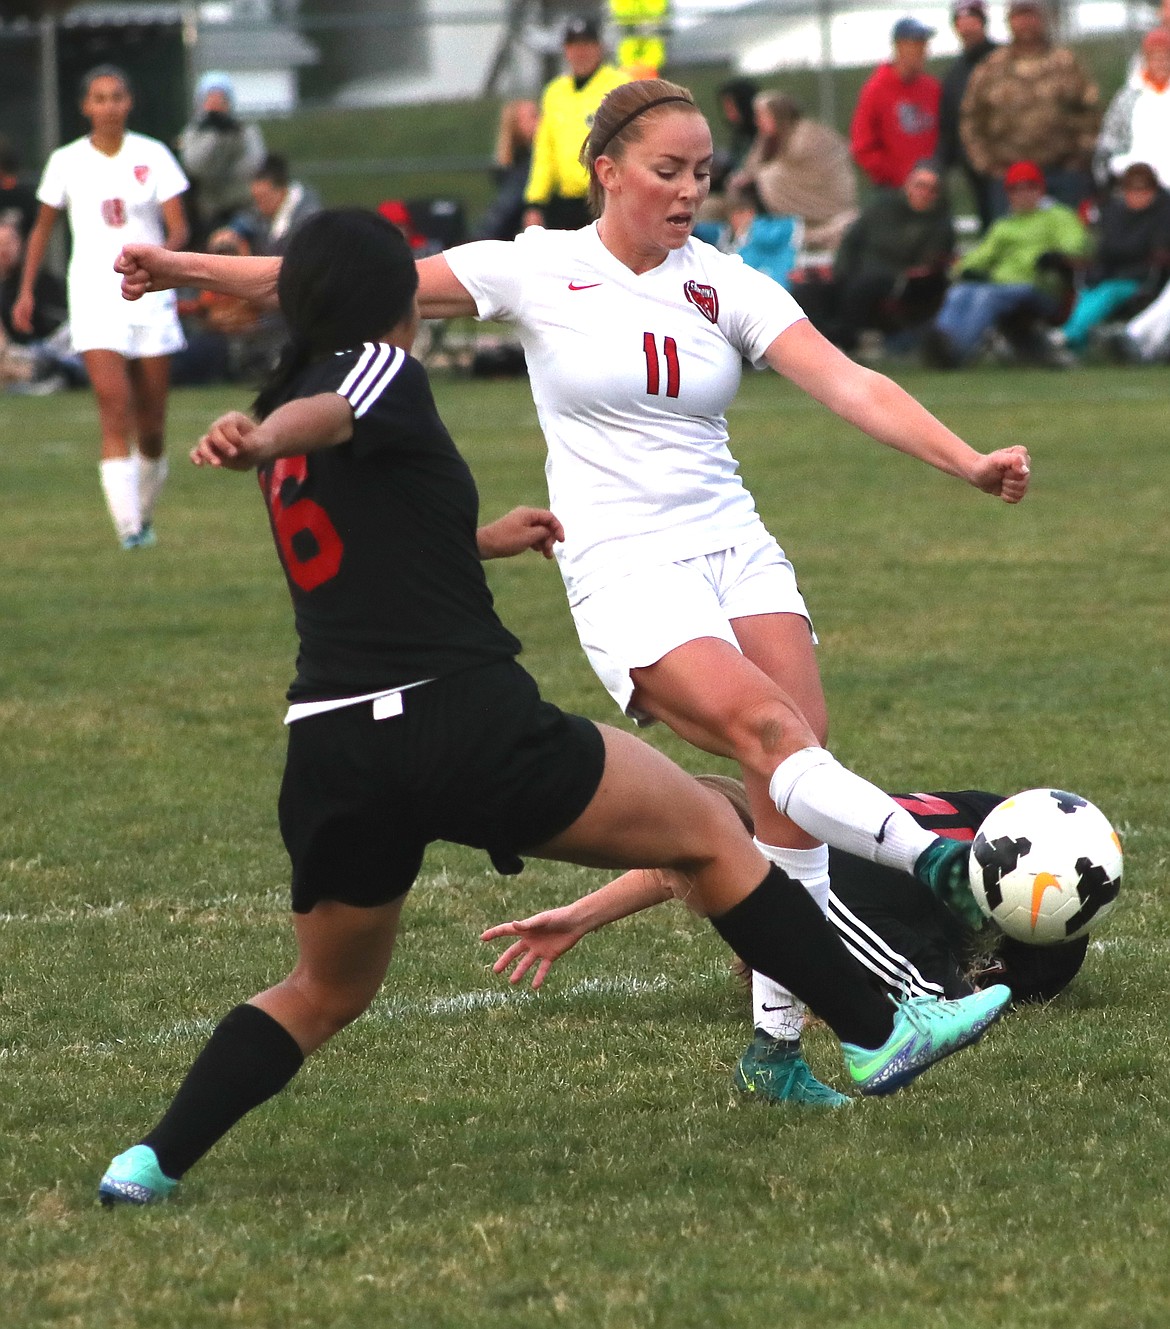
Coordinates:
[1022,265]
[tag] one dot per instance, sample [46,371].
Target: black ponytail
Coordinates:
[348,277]
[294,358]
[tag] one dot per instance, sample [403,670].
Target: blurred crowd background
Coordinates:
[946,184]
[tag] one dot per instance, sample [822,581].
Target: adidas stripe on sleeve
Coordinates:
[375,370]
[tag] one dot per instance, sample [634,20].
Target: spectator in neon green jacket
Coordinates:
[1022,264]
[557,195]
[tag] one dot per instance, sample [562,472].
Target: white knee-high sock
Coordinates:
[152,475]
[120,486]
[774,1009]
[810,867]
[829,801]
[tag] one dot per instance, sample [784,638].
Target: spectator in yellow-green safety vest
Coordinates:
[558,185]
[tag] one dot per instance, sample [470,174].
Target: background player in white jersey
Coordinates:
[117,187]
[687,608]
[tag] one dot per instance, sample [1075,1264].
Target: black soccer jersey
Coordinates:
[377,537]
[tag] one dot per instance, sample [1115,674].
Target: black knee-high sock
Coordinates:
[248,1058]
[779,930]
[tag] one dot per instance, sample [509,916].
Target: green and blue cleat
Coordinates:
[774,1071]
[143,539]
[943,867]
[926,1029]
[135,1177]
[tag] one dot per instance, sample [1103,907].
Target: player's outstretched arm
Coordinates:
[518,530]
[545,937]
[154,268]
[440,293]
[887,413]
[236,442]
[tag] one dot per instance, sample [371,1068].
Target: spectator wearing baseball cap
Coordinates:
[969,19]
[911,30]
[581,29]
[895,123]
[1021,268]
[1031,100]
[558,185]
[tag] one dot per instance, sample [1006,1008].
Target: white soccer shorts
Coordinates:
[160,335]
[639,618]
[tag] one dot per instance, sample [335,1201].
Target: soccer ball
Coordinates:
[1045,866]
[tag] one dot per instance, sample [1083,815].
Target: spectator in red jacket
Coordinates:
[895,124]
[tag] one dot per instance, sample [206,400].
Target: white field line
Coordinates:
[401,1008]
[391,1009]
[267,902]
[86,912]
[462,1003]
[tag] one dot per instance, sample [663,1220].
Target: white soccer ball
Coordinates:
[1046,866]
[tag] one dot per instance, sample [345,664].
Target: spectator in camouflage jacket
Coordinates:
[1030,100]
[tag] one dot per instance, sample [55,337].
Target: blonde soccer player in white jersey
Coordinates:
[116,187]
[687,608]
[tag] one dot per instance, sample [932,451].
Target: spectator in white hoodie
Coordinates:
[1137,123]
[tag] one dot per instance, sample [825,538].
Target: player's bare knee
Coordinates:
[332,1006]
[764,734]
[713,831]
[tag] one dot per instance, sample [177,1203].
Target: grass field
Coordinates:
[469,1156]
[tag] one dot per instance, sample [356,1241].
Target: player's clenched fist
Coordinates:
[226,443]
[145,268]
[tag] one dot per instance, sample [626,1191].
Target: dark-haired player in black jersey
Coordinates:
[411,720]
[893,925]
[914,945]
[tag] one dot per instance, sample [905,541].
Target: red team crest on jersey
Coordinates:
[140,174]
[704,298]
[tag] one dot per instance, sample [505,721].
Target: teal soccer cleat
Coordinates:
[143,539]
[925,1031]
[775,1072]
[135,1178]
[943,868]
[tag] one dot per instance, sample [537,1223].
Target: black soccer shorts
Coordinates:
[476,758]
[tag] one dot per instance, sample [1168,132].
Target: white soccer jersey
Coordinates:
[632,375]
[111,201]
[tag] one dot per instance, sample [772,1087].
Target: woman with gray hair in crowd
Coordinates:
[800,169]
